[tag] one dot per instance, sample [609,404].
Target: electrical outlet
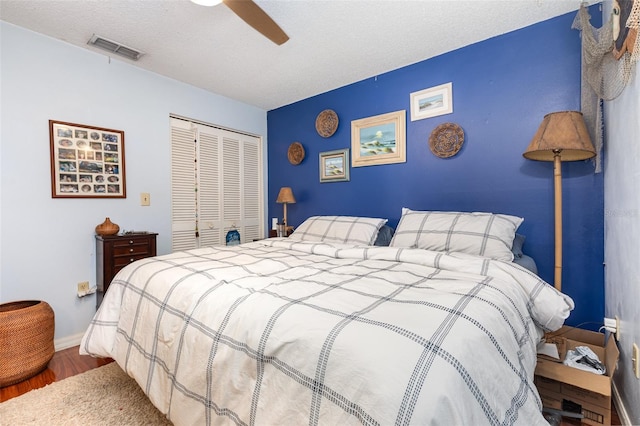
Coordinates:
[83,288]
[612,325]
[635,360]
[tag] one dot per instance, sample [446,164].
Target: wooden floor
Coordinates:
[65,363]
[69,362]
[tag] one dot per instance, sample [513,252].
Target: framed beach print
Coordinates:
[432,102]
[334,166]
[86,161]
[379,139]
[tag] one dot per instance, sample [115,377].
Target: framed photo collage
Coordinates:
[86,161]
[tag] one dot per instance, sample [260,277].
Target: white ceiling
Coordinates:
[332,43]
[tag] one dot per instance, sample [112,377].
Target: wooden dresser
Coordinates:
[114,252]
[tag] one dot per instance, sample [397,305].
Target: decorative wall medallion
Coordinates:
[446,140]
[295,153]
[327,123]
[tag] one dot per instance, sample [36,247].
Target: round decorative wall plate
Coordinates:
[295,153]
[327,123]
[446,140]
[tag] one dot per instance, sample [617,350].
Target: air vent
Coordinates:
[114,47]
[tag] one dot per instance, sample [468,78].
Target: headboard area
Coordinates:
[385,234]
[483,234]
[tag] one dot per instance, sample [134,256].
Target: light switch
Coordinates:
[145,199]
[635,360]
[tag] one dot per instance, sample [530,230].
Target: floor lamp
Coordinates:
[562,136]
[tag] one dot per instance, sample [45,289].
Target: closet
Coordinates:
[216,185]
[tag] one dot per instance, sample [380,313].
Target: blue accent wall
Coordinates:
[502,88]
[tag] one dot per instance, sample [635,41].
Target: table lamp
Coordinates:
[285,196]
[562,136]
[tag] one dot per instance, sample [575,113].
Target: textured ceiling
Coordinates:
[332,43]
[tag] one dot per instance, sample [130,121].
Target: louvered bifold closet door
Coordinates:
[183,183]
[252,189]
[209,183]
[216,185]
[242,185]
[231,206]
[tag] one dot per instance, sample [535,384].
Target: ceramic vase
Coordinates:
[107,228]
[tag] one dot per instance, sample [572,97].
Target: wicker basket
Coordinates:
[26,339]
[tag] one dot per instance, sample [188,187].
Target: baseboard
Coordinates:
[68,342]
[625,420]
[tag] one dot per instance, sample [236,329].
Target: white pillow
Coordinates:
[339,229]
[481,234]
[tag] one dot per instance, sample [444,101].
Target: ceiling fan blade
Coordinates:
[253,15]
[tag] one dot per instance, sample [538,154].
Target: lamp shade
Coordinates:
[564,133]
[286,196]
[207,3]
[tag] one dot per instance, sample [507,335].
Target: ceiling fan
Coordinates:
[253,15]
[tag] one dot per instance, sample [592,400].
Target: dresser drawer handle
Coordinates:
[130,241]
[131,260]
[130,250]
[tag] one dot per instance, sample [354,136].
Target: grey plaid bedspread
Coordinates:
[277,332]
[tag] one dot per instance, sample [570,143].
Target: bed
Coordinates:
[325,327]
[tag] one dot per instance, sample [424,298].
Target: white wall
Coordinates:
[47,245]
[622,233]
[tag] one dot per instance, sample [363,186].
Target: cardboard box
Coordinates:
[571,389]
[592,414]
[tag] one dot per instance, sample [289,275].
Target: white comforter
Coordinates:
[277,332]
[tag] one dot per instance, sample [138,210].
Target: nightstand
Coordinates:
[274,233]
[114,252]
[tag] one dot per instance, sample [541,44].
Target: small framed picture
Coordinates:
[432,102]
[86,161]
[379,139]
[334,166]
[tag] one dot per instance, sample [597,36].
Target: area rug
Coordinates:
[102,396]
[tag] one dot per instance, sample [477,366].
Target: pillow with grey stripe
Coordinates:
[339,229]
[481,234]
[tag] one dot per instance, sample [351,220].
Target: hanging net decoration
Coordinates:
[603,76]
[633,36]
